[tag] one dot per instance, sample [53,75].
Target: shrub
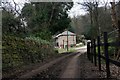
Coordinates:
[18,52]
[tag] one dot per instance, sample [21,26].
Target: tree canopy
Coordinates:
[49,18]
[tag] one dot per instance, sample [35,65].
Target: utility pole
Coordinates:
[73,41]
[63,44]
[67,40]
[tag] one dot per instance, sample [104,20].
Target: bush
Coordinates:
[18,52]
[56,51]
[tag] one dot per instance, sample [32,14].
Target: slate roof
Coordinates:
[65,33]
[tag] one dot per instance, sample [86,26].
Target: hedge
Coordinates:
[17,51]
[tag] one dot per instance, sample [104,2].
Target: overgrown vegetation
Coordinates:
[18,52]
[27,34]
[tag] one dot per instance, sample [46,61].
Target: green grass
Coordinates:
[65,50]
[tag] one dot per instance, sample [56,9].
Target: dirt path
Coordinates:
[80,67]
[45,66]
[74,65]
[72,70]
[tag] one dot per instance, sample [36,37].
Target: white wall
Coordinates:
[71,40]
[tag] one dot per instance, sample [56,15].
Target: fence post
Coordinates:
[91,54]
[88,50]
[99,57]
[94,52]
[106,54]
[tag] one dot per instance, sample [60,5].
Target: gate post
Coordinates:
[94,52]
[99,57]
[88,50]
[91,54]
[106,54]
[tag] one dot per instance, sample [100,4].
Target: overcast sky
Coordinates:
[76,10]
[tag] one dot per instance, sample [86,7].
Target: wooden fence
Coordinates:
[96,58]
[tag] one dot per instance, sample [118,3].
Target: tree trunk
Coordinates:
[116,24]
[113,15]
[96,19]
[118,17]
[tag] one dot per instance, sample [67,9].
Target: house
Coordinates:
[62,38]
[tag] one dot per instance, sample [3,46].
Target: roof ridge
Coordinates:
[65,33]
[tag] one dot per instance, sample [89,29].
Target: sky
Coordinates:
[76,9]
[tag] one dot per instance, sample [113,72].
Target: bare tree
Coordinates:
[115,16]
[92,8]
[77,24]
